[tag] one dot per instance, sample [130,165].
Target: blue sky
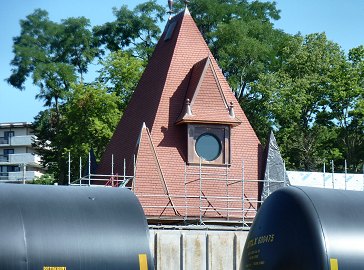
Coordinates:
[342,21]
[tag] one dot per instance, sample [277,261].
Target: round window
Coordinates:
[208,147]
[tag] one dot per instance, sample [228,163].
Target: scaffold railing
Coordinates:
[108,180]
[209,193]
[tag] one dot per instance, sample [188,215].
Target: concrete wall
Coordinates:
[197,249]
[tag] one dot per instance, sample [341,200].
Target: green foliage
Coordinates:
[309,102]
[46,144]
[78,45]
[98,112]
[51,53]
[55,56]
[88,121]
[241,37]
[45,179]
[135,30]
[121,73]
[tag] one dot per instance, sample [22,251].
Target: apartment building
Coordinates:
[18,160]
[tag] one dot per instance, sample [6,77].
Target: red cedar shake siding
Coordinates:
[182,67]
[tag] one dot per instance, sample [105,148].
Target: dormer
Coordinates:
[209,117]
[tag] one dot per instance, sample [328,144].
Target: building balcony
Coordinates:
[17,159]
[25,140]
[19,176]
[4,158]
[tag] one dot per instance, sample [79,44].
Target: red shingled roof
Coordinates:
[156,185]
[181,67]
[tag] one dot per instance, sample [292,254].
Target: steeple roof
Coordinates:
[181,67]
[160,96]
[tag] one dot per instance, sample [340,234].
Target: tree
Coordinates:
[78,47]
[345,104]
[88,121]
[98,110]
[355,137]
[46,142]
[135,30]
[121,72]
[55,56]
[52,54]
[295,100]
[45,179]
[241,37]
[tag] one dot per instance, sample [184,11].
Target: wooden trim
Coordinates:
[204,122]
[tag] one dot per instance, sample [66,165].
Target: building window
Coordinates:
[8,134]
[3,172]
[208,147]
[13,169]
[8,152]
[208,144]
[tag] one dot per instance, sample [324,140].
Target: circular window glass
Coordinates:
[208,147]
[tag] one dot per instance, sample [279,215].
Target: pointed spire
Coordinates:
[275,171]
[186,7]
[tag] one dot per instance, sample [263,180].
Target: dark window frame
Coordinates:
[221,132]
[8,150]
